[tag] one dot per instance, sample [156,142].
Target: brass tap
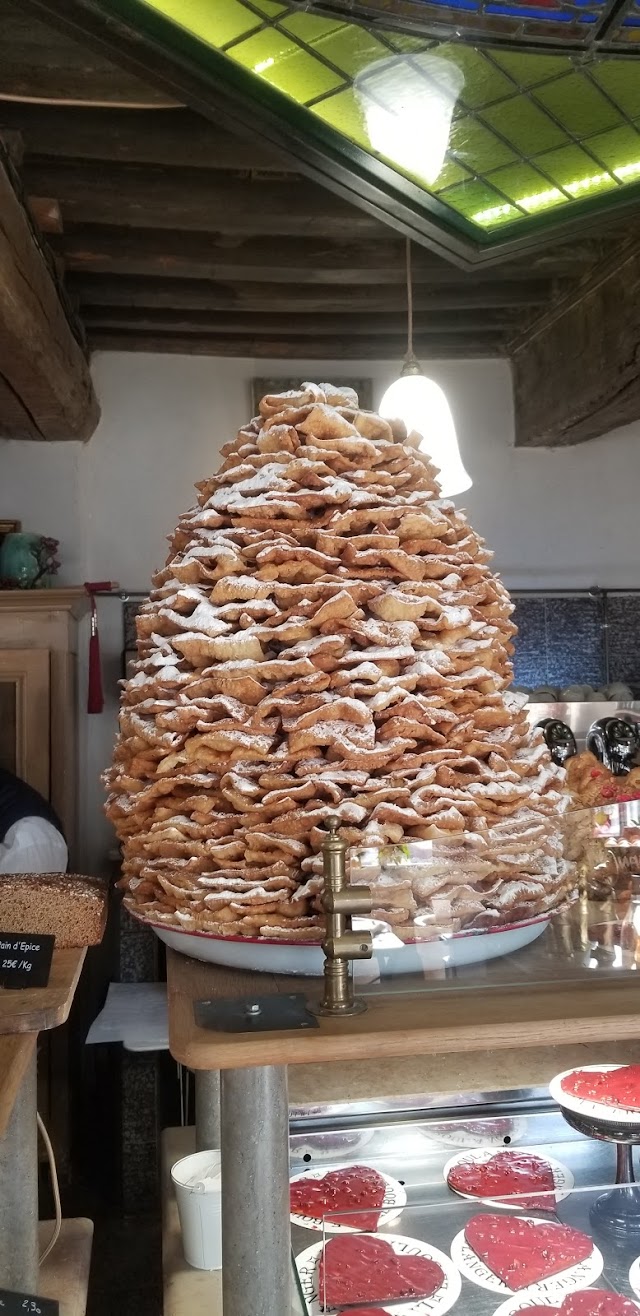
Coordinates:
[341,944]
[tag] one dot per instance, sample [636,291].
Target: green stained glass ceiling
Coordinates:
[491,141]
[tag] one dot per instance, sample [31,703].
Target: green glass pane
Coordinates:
[216,24]
[479,203]
[579,106]
[529,189]
[451,173]
[620,78]
[620,151]
[282,63]
[403,42]
[352,49]
[476,147]
[309,28]
[268,7]
[528,70]
[576,171]
[522,123]
[483,82]
[343,113]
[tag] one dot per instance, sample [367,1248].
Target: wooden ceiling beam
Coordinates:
[296,348]
[187,199]
[307,326]
[40,64]
[576,369]
[45,386]
[151,252]
[199,295]
[177,138]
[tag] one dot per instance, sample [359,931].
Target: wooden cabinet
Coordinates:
[38,741]
[38,698]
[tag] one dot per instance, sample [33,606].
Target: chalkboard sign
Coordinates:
[24,1304]
[25,960]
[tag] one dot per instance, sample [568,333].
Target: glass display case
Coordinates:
[417,1160]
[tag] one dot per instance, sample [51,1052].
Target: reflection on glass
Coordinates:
[408,104]
[437,914]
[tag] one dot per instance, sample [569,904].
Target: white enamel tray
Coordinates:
[390,955]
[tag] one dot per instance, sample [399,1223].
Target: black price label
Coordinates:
[25,961]
[24,1304]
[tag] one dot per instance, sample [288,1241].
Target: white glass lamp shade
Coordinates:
[408,103]
[423,406]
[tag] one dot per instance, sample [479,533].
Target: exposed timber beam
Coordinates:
[148,252]
[40,64]
[296,348]
[576,369]
[45,385]
[187,199]
[303,299]
[236,323]
[178,138]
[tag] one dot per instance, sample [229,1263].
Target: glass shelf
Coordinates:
[416,1156]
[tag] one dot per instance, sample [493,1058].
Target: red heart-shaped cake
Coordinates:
[587,1303]
[506,1173]
[611,1087]
[358,1188]
[357,1268]
[522,1252]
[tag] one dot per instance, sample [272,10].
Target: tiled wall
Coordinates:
[561,640]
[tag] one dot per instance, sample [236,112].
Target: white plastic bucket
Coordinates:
[196,1181]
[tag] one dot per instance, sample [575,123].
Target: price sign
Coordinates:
[24,1304]
[25,960]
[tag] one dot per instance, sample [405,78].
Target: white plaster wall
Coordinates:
[555,518]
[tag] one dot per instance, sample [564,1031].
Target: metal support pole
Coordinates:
[256,1239]
[19,1192]
[207,1109]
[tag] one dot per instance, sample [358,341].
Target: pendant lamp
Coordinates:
[423,406]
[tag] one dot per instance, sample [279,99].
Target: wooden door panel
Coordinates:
[25,715]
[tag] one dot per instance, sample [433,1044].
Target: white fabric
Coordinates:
[33,845]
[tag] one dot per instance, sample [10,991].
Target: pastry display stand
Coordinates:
[617,1212]
[64,1276]
[256,1274]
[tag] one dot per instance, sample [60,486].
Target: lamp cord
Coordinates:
[56,1190]
[409,301]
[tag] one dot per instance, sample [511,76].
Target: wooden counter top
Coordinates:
[36,1009]
[443,1021]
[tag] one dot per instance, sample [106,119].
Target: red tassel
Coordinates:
[95,696]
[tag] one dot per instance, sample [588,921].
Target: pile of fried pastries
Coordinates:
[592,783]
[327,639]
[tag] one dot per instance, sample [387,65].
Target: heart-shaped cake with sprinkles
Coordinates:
[523,1252]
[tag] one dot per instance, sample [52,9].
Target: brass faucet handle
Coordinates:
[351,900]
[349,946]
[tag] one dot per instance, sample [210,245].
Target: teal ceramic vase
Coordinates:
[26,561]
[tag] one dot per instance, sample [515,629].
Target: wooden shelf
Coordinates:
[65,1274]
[37,1009]
[425,1023]
[187,1292]
[73,599]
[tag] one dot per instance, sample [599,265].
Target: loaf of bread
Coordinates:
[67,906]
